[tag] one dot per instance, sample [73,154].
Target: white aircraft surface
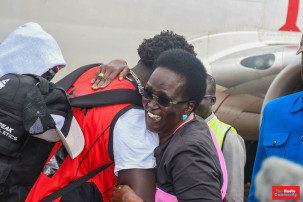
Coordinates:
[245,44]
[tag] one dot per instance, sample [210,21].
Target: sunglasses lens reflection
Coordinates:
[160,100]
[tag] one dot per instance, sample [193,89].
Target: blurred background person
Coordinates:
[281,131]
[231,143]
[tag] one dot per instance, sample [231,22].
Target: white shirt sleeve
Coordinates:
[133,144]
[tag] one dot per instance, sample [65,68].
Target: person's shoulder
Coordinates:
[195,135]
[132,120]
[194,129]
[233,139]
[283,104]
[133,113]
[283,100]
[199,119]
[232,134]
[197,124]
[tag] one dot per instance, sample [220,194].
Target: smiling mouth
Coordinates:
[154,116]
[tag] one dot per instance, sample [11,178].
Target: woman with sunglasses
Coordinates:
[188,167]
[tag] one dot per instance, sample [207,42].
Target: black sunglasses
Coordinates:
[165,102]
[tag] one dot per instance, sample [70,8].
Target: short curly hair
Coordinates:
[188,67]
[150,49]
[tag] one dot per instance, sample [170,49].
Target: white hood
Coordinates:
[29,50]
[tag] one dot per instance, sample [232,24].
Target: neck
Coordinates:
[209,113]
[143,72]
[166,136]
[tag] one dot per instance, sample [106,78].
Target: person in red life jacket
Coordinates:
[114,66]
[114,133]
[188,167]
[231,143]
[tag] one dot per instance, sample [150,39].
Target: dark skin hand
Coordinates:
[123,193]
[110,71]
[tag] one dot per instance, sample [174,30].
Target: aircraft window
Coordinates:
[259,62]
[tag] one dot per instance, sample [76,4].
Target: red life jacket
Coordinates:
[97,124]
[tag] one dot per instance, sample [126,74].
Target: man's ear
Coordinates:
[190,107]
[213,100]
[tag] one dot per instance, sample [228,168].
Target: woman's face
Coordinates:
[164,85]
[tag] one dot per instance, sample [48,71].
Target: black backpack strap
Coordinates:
[103,98]
[110,97]
[74,184]
[43,83]
[68,80]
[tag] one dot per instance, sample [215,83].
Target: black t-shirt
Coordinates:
[188,165]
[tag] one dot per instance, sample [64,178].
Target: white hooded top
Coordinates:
[29,49]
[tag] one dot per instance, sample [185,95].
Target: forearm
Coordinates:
[142,181]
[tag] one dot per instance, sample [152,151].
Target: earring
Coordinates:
[184,117]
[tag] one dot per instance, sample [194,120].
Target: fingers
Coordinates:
[96,75]
[124,73]
[119,187]
[116,194]
[99,77]
[108,72]
[109,75]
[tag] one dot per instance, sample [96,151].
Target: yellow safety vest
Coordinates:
[220,129]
